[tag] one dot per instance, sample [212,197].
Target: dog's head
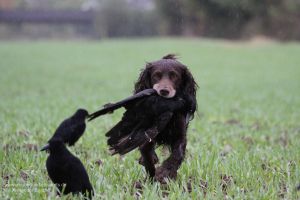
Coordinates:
[167,76]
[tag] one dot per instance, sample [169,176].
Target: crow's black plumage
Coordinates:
[65,169]
[108,108]
[142,122]
[71,129]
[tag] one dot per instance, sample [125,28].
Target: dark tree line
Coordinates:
[209,18]
[232,18]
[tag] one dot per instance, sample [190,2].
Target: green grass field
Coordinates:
[243,143]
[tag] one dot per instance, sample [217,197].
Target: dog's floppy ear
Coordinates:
[144,80]
[189,88]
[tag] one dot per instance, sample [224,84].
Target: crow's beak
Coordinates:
[46,147]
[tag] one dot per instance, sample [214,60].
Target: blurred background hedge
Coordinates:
[232,19]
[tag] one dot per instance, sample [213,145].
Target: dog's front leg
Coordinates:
[148,158]
[169,167]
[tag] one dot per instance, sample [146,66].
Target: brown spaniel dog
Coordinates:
[169,78]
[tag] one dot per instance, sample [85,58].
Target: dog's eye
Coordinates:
[173,75]
[156,76]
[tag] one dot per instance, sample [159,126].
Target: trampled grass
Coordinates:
[243,144]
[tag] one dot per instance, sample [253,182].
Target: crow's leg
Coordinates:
[59,188]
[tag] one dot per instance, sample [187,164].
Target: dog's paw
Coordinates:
[162,175]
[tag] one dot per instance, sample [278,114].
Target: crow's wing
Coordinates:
[129,122]
[76,131]
[111,107]
[141,135]
[70,130]
[63,129]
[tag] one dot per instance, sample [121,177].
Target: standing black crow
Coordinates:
[66,169]
[71,129]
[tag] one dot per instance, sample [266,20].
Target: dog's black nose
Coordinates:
[164,92]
